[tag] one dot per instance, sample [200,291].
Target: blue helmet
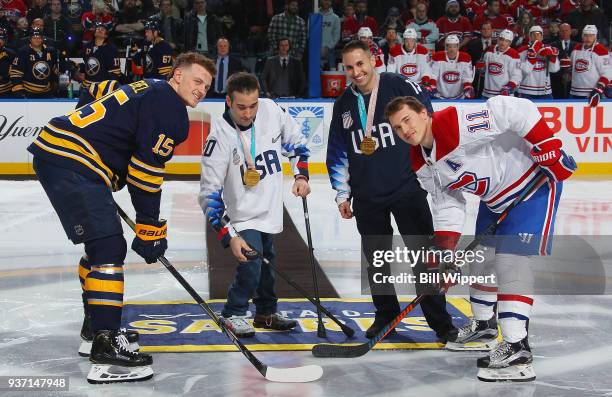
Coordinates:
[152,24]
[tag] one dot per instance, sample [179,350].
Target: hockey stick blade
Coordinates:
[308,373]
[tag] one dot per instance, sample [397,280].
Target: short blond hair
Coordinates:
[190,58]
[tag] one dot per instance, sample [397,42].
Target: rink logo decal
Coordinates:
[184,326]
[310,120]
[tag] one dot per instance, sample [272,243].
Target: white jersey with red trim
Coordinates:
[589,67]
[452,76]
[481,149]
[501,68]
[536,74]
[414,64]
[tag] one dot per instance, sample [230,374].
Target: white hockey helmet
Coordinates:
[589,29]
[410,33]
[451,39]
[536,29]
[364,32]
[507,34]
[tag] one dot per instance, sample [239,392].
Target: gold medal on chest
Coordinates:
[251,177]
[368,145]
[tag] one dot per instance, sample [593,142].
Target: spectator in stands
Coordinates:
[346,24]
[392,20]
[537,62]
[589,14]
[283,75]
[74,12]
[227,65]
[361,19]
[552,33]
[391,40]
[561,79]
[21,34]
[39,10]
[201,29]
[288,24]
[130,19]
[426,28]
[331,33]
[493,14]
[14,9]
[454,23]
[476,48]
[514,7]
[230,28]
[474,8]
[365,34]
[171,26]
[452,72]
[543,9]
[591,69]
[567,6]
[521,29]
[100,12]
[58,28]
[38,23]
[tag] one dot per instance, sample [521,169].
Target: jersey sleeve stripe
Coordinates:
[149,168]
[142,185]
[143,177]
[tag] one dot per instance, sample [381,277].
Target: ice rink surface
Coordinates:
[41,311]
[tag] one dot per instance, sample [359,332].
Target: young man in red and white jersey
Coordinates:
[365,34]
[591,69]
[501,67]
[410,59]
[452,72]
[538,61]
[496,150]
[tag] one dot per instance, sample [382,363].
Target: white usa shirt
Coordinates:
[482,149]
[223,163]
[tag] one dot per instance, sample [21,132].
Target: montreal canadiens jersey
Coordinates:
[536,75]
[501,68]
[452,76]
[482,149]
[589,67]
[385,173]
[414,65]
[123,137]
[101,63]
[223,165]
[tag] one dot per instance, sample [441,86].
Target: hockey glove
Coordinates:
[431,87]
[553,161]
[439,258]
[596,94]
[150,241]
[566,63]
[549,52]
[480,67]
[508,89]
[468,92]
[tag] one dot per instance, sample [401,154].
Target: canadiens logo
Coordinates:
[347,120]
[41,70]
[582,65]
[496,68]
[409,69]
[539,66]
[451,77]
[93,66]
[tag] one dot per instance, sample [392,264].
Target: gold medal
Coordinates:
[251,177]
[368,145]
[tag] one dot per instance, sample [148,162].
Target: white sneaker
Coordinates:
[239,326]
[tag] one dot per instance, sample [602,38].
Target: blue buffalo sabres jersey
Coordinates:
[123,137]
[6,58]
[157,60]
[34,71]
[101,63]
[387,172]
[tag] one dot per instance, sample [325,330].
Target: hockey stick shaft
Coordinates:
[345,328]
[329,350]
[320,326]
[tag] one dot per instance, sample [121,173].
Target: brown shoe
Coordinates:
[274,321]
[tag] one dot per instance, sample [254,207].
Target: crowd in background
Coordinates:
[269,37]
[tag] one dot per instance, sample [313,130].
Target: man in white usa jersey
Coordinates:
[591,69]
[410,59]
[501,67]
[493,150]
[242,174]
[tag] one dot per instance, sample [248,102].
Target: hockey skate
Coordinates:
[476,335]
[113,362]
[87,337]
[507,362]
[239,326]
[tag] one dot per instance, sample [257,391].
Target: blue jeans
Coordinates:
[254,279]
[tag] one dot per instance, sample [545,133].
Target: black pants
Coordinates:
[413,218]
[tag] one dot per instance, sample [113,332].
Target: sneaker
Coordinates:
[477,335]
[239,326]
[377,326]
[274,321]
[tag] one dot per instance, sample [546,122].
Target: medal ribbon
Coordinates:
[368,120]
[248,155]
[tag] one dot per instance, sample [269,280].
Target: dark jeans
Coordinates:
[413,218]
[254,279]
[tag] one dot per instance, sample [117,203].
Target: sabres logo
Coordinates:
[93,66]
[41,70]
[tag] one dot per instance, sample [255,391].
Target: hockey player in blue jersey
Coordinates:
[156,59]
[84,156]
[372,170]
[6,58]
[101,58]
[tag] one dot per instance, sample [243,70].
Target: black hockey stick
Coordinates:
[253,254]
[320,327]
[303,374]
[350,351]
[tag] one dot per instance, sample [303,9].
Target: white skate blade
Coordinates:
[103,373]
[85,347]
[514,373]
[308,373]
[471,346]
